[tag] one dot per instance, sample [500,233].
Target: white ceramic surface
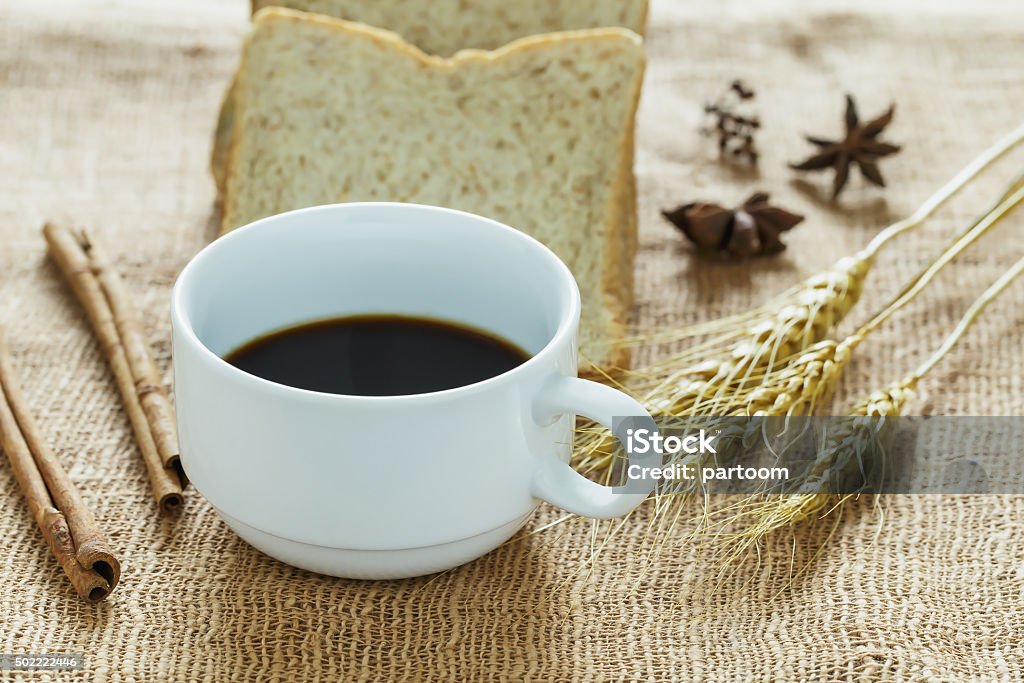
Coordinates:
[381,487]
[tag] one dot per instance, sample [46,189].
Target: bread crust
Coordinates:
[225,119]
[444,26]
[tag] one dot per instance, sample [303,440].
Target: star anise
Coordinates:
[860,147]
[750,229]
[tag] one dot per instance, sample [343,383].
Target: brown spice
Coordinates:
[67,524]
[860,147]
[734,129]
[752,228]
[98,288]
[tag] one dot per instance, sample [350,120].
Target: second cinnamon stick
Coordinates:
[113,322]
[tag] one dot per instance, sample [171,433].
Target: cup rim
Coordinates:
[181,323]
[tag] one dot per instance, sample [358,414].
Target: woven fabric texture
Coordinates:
[106,113]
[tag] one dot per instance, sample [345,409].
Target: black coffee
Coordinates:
[377,355]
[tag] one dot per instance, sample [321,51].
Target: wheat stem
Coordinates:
[844,455]
[932,204]
[990,219]
[812,376]
[994,290]
[785,339]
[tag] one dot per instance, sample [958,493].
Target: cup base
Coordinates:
[375,564]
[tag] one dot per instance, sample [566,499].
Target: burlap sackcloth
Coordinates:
[106,110]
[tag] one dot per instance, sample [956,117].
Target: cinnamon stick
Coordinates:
[145,399]
[67,524]
[148,386]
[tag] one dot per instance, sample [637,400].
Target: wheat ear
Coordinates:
[790,384]
[810,377]
[845,454]
[741,348]
[795,388]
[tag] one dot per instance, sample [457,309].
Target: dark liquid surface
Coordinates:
[377,355]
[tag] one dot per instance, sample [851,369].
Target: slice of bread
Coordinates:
[443,27]
[538,135]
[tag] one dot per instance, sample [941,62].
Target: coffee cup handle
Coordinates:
[555,481]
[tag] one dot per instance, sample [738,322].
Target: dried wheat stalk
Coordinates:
[802,383]
[843,457]
[738,350]
[794,387]
[788,371]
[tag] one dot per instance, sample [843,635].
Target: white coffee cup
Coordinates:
[393,486]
